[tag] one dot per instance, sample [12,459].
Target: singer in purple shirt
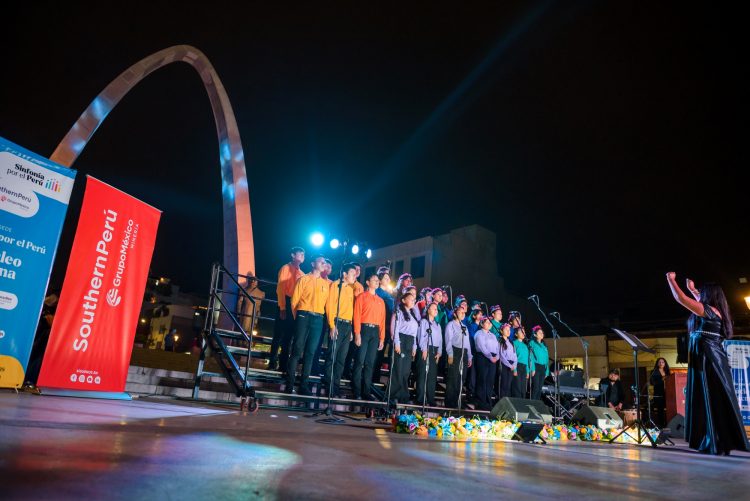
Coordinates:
[486,358]
[508,361]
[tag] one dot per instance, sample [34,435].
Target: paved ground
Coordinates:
[70,448]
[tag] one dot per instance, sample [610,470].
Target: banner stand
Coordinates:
[107,395]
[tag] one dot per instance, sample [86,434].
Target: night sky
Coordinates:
[602,141]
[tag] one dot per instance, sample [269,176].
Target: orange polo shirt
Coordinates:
[345,308]
[288,276]
[369,309]
[358,289]
[310,294]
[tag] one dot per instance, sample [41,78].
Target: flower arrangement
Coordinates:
[476,427]
[453,427]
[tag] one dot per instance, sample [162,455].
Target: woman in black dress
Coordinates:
[658,378]
[713,423]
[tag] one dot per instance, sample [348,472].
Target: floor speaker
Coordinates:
[601,417]
[528,432]
[521,409]
[676,426]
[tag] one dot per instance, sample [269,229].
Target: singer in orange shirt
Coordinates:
[369,336]
[308,306]
[284,326]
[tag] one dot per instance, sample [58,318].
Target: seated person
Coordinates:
[613,393]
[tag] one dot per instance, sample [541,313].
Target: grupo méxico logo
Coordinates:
[113,297]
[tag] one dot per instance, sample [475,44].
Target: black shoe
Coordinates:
[290,390]
[356,397]
[370,398]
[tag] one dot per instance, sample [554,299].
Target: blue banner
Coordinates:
[34,194]
[739,360]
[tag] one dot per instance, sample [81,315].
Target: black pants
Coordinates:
[537,381]
[455,381]
[401,370]
[351,359]
[308,329]
[365,363]
[485,382]
[429,379]
[283,332]
[506,381]
[317,367]
[518,390]
[341,346]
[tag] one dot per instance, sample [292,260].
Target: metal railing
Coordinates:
[224,336]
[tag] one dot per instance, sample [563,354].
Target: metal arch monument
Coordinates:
[239,251]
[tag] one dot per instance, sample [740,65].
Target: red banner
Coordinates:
[92,333]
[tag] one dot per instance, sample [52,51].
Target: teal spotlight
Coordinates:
[317,239]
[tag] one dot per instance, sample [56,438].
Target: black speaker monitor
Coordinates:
[676,426]
[601,417]
[521,409]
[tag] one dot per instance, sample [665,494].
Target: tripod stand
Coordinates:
[637,425]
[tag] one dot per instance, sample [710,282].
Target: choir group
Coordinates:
[422,334]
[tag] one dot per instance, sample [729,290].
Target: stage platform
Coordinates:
[161,448]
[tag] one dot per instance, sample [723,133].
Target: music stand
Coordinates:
[636,345]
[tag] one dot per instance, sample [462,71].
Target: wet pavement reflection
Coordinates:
[66,448]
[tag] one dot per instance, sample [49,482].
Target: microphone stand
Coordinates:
[427,365]
[329,412]
[461,367]
[585,345]
[392,361]
[535,299]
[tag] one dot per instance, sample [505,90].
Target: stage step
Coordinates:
[268,386]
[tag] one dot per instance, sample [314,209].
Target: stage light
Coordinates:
[368,254]
[317,239]
[335,243]
[747,302]
[355,249]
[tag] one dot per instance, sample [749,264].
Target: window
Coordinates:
[417,267]
[398,270]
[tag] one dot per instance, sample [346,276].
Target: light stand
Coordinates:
[558,406]
[585,345]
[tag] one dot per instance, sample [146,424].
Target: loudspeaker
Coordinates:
[521,409]
[528,432]
[676,426]
[601,417]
